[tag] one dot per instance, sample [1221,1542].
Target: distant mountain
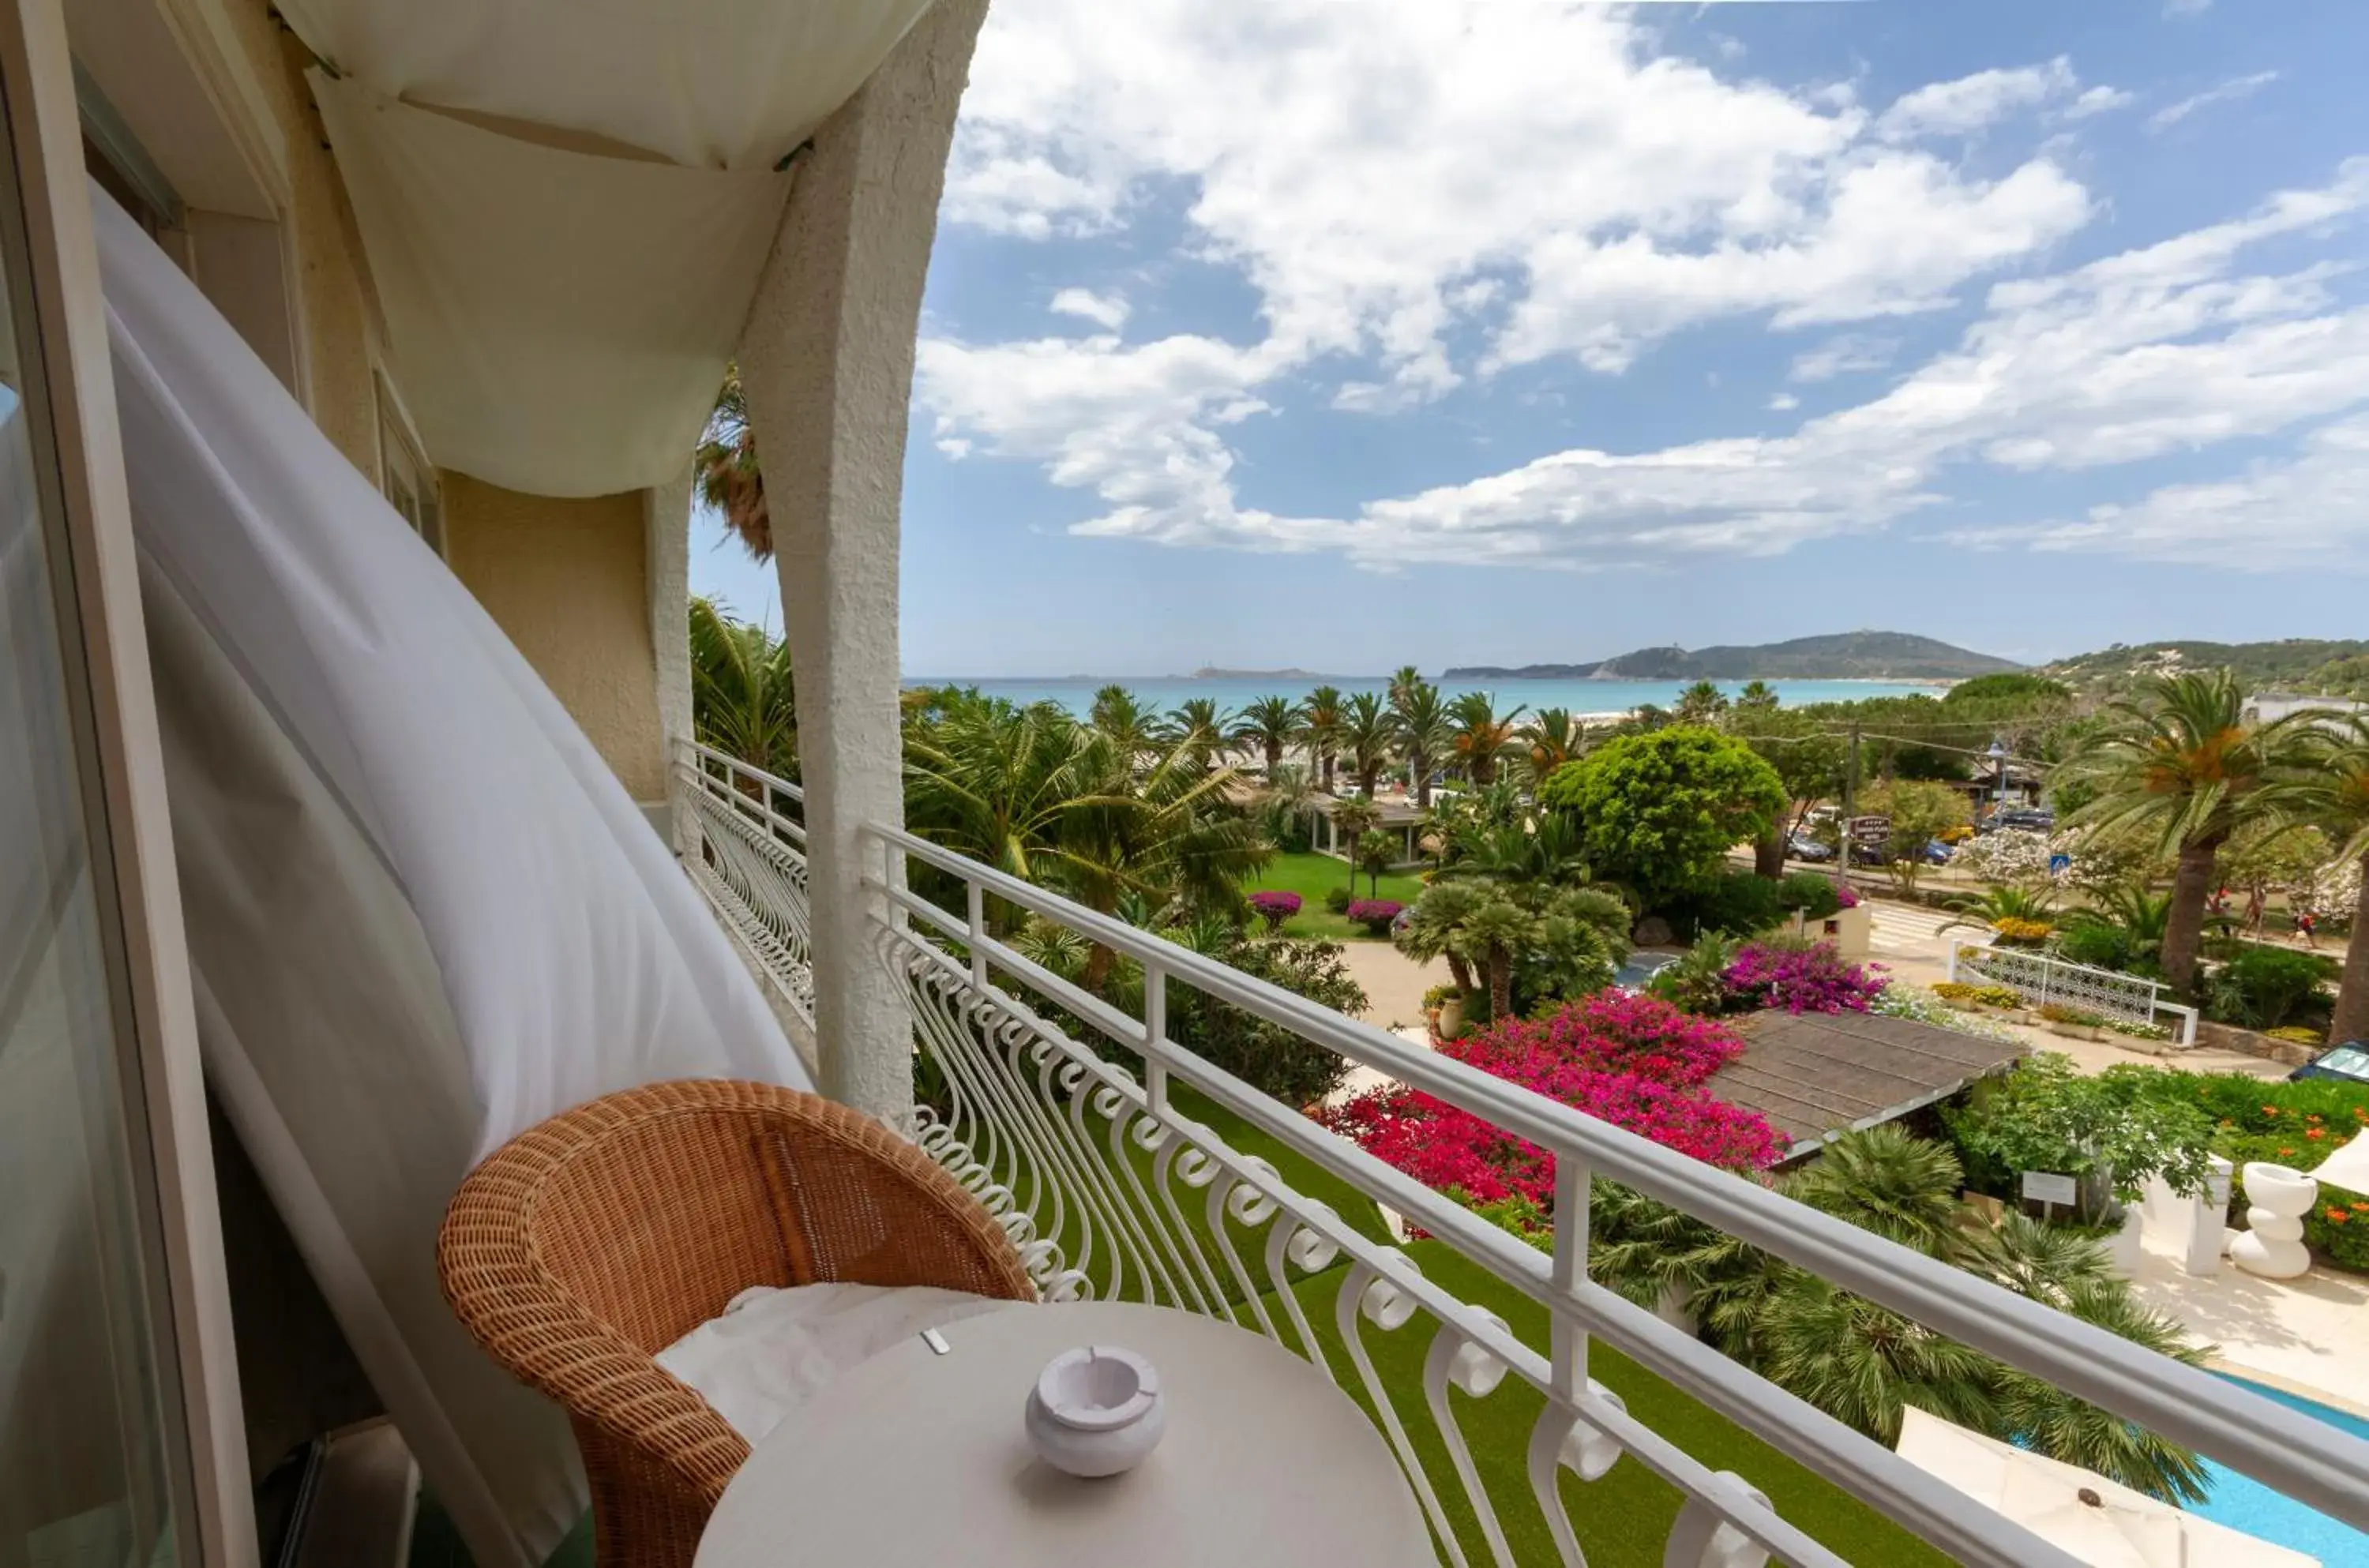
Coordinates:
[2306,666]
[1847,656]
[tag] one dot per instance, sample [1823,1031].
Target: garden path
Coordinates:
[1394,982]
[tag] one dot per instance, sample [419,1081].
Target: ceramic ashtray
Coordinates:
[1096,1411]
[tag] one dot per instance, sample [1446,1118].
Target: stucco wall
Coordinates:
[333,294]
[568,580]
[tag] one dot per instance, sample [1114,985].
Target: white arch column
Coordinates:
[827,360]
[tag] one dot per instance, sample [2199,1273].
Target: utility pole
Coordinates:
[1844,839]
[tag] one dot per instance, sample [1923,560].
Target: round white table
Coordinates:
[917,1459]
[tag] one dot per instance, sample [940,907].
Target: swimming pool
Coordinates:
[2246,1504]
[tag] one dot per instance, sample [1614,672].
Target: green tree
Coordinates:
[1130,723]
[1199,729]
[743,701]
[1368,729]
[1353,819]
[1270,724]
[1377,851]
[2332,790]
[726,472]
[1701,702]
[1808,760]
[1324,729]
[1920,812]
[1405,678]
[1548,741]
[1757,696]
[1425,735]
[1482,735]
[2180,767]
[1659,811]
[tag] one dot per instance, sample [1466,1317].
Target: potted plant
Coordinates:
[2073,1022]
[1443,1009]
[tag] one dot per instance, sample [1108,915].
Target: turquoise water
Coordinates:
[2244,1503]
[1580,696]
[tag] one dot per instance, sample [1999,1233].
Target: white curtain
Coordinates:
[423,914]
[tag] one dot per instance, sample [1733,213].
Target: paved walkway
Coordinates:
[2300,1335]
[1394,983]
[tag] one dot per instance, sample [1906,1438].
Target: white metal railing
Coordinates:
[1111,1189]
[2041,978]
[741,837]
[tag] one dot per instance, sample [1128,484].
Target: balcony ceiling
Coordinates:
[566,206]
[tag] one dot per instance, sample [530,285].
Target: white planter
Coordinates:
[2122,1253]
[2277,1200]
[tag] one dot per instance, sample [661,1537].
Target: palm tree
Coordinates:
[2179,765]
[1367,728]
[1435,927]
[1405,678]
[1270,724]
[1352,820]
[1757,696]
[1552,738]
[1491,935]
[1546,854]
[726,463]
[742,700]
[1198,728]
[2002,903]
[2332,790]
[1324,729]
[1132,726]
[1426,734]
[1701,702]
[1482,735]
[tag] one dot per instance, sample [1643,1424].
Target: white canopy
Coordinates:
[2121,1529]
[565,271]
[2348,1167]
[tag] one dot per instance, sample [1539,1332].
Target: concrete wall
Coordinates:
[567,580]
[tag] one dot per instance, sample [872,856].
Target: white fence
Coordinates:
[2041,979]
[1061,1113]
[745,849]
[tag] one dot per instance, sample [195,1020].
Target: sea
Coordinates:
[1598,699]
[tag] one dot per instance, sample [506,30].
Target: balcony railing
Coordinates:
[1075,1123]
[2041,978]
[738,831]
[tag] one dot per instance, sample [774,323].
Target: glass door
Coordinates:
[107,1443]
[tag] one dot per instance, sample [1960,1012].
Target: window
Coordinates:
[405,474]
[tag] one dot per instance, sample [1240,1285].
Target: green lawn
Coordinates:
[1311,876]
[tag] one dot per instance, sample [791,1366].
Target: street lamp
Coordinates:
[1998,761]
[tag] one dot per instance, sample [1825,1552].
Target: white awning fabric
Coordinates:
[561,315]
[705,84]
[423,914]
[560,322]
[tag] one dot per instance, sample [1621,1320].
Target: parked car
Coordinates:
[1937,853]
[1634,975]
[1801,846]
[2348,1062]
[2028,819]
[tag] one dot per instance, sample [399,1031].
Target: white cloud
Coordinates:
[2165,348]
[1362,165]
[2099,100]
[2310,511]
[1783,403]
[1840,356]
[1106,311]
[2228,92]
[1974,103]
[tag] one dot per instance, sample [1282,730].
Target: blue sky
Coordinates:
[1300,332]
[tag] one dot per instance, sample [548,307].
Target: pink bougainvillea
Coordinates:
[1275,906]
[1802,979]
[1375,915]
[1631,1061]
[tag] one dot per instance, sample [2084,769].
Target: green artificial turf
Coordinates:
[1313,876]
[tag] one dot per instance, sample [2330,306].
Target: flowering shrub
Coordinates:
[1898,1000]
[2335,892]
[2015,932]
[2012,855]
[1275,907]
[1373,914]
[1814,979]
[1844,897]
[1631,1061]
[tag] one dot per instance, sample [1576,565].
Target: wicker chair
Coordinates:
[589,1243]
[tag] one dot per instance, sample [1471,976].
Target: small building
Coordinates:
[1815,1076]
[1396,815]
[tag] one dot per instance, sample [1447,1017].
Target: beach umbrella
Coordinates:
[2079,1511]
